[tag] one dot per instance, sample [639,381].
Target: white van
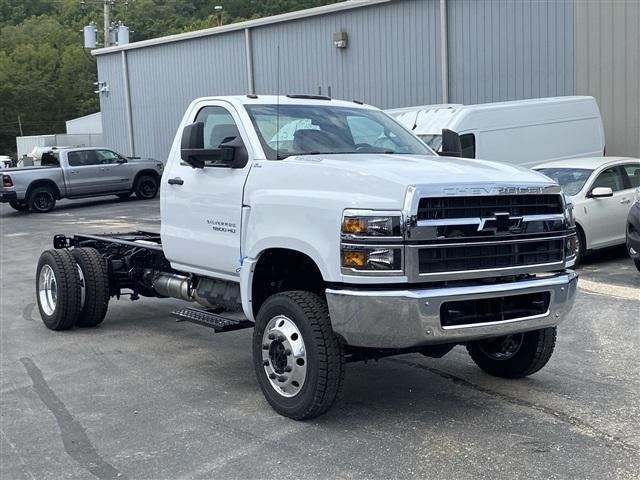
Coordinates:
[524,132]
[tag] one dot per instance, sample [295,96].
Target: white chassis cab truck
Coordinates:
[338,236]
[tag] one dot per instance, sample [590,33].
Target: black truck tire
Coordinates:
[581,246]
[42,199]
[20,206]
[58,289]
[298,360]
[146,187]
[94,281]
[514,356]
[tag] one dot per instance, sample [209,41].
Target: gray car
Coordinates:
[78,173]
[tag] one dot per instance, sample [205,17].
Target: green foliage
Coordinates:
[46,77]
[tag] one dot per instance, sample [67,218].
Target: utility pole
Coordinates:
[20,125]
[107,23]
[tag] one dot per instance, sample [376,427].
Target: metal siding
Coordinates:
[508,50]
[392,57]
[164,79]
[607,66]
[112,105]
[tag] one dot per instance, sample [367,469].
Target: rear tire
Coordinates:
[42,200]
[146,187]
[96,286]
[58,289]
[299,362]
[20,206]
[514,356]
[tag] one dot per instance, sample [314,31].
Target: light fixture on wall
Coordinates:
[340,39]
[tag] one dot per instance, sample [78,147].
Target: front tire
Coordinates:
[42,200]
[581,247]
[94,280]
[637,263]
[19,206]
[146,187]
[514,356]
[298,360]
[57,289]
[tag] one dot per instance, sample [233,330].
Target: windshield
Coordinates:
[434,141]
[570,179]
[316,129]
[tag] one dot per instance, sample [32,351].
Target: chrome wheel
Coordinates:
[82,285]
[47,290]
[284,356]
[502,348]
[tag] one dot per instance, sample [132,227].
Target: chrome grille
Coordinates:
[484,206]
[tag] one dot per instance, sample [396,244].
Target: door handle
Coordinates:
[625,200]
[175,181]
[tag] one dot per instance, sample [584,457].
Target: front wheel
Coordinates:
[514,356]
[146,187]
[299,362]
[637,262]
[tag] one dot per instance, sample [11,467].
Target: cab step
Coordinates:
[206,318]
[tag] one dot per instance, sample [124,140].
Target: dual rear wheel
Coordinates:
[72,288]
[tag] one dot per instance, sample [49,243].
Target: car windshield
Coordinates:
[570,179]
[434,141]
[287,130]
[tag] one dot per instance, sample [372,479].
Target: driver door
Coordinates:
[202,207]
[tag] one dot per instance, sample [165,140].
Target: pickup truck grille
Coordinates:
[482,257]
[483,206]
[463,237]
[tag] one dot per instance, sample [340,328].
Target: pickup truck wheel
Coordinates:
[146,187]
[42,200]
[94,286]
[514,356]
[57,289]
[298,360]
[19,206]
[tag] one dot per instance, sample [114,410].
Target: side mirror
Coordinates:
[121,161]
[193,153]
[451,145]
[601,192]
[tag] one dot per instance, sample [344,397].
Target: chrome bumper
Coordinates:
[409,318]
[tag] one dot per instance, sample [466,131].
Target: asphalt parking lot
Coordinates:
[142,396]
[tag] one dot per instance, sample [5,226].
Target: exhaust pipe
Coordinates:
[175,286]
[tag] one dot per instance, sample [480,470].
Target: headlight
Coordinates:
[357,224]
[568,214]
[371,258]
[371,242]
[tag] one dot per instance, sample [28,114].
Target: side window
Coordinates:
[468,142]
[612,178]
[83,158]
[219,126]
[107,156]
[633,172]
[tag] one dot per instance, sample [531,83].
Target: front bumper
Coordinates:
[6,197]
[404,318]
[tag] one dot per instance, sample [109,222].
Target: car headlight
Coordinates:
[371,258]
[568,214]
[355,223]
[371,242]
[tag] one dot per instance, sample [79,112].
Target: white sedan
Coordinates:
[602,190]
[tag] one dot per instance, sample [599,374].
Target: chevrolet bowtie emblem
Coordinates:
[500,223]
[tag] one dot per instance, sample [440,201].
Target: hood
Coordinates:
[410,170]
